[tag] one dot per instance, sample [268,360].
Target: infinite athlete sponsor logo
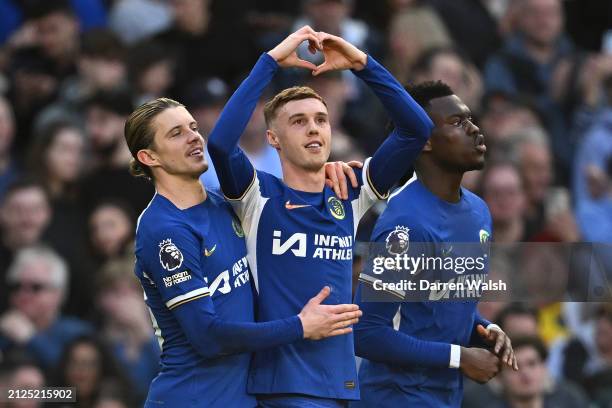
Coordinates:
[326,246]
[170,256]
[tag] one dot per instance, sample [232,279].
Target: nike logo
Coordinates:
[209,253]
[290,206]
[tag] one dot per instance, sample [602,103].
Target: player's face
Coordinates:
[302,134]
[178,144]
[456,142]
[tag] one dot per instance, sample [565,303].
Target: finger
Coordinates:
[499,342]
[339,332]
[341,180]
[340,317]
[345,323]
[324,67]
[506,356]
[312,38]
[484,333]
[348,170]
[333,177]
[321,296]
[329,183]
[304,64]
[515,362]
[355,163]
[339,309]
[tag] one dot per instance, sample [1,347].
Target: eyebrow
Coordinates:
[178,127]
[295,115]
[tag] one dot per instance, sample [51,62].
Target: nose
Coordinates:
[472,130]
[194,136]
[313,129]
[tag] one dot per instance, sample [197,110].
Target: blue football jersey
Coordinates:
[419,223]
[297,243]
[182,256]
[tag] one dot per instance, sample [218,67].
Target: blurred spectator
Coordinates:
[527,63]
[25,374]
[518,320]
[151,71]
[594,150]
[412,33]
[37,281]
[101,67]
[57,33]
[33,86]
[530,386]
[106,113]
[473,26]
[502,189]
[87,365]
[57,160]
[9,168]
[206,46]
[136,20]
[504,116]
[595,215]
[450,67]
[25,214]
[549,213]
[111,231]
[126,324]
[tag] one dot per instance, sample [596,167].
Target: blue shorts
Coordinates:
[298,401]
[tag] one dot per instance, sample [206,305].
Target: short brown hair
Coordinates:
[139,134]
[295,93]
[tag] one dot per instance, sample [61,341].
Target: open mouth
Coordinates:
[197,152]
[479,144]
[314,146]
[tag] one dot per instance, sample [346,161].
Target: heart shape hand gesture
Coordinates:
[338,53]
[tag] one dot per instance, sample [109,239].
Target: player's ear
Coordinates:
[272,139]
[427,147]
[148,157]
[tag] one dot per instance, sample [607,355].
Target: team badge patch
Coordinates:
[336,208]
[484,236]
[398,241]
[170,256]
[237,228]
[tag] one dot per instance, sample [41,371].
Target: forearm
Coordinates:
[234,170]
[213,337]
[387,345]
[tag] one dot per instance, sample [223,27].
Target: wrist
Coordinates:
[362,61]
[455,356]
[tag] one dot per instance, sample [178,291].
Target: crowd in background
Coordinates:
[536,74]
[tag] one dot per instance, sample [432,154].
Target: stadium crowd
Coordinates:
[537,75]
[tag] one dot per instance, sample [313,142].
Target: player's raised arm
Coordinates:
[412,124]
[233,167]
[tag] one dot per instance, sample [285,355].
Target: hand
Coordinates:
[502,346]
[479,364]
[339,54]
[321,321]
[285,53]
[17,327]
[336,174]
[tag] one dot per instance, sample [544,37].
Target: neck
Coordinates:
[43,320]
[444,184]
[198,24]
[55,187]
[510,231]
[183,192]
[303,180]
[534,402]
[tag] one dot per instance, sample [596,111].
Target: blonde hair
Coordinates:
[139,134]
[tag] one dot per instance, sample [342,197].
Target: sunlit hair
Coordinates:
[139,134]
[295,93]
